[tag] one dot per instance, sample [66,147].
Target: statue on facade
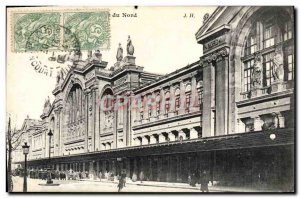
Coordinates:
[205,17]
[277,70]
[62,76]
[47,105]
[59,77]
[120,53]
[256,79]
[130,48]
[96,57]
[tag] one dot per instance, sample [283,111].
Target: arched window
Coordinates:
[108,109]
[149,105]
[167,102]
[157,99]
[270,37]
[121,107]
[188,89]
[200,92]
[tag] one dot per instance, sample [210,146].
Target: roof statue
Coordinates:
[96,57]
[205,17]
[60,77]
[130,48]
[119,53]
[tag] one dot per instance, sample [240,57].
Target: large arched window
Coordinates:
[108,109]
[75,105]
[270,34]
[74,114]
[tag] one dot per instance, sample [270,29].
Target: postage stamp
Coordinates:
[91,29]
[36,31]
[60,30]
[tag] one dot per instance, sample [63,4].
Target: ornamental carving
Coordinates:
[215,56]
[277,70]
[256,75]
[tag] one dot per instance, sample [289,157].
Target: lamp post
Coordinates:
[49,179]
[25,148]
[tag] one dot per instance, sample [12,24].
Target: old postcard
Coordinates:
[150,99]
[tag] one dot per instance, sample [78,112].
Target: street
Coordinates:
[90,186]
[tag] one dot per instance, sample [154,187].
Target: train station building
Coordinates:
[231,112]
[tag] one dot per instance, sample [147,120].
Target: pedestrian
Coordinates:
[193,180]
[123,175]
[204,182]
[141,176]
[120,184]
[190,179]
[100,175]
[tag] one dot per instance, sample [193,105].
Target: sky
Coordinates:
[164,40]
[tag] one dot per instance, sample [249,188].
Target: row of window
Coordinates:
[177,97]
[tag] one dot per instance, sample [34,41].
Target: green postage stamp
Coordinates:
[60,30]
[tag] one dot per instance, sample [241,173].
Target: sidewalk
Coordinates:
[187,186]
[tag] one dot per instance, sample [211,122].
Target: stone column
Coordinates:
[134,175]
[86,143]
[178,173]
[208,99]
[145,108]
[153,107]
[194,98]
[172,102]
[97,169]
[56,137]
[114,168]
[103,167]
[182,99]
[182,134]
[150,169]
[222,64]
[114,144]
[169,169]
[162,104]
[171,136]
[161,138]
[193,133]
[152,139]
[46,143]
[127,161]
[96,120]
[142,168]
[159,163]
[144,140]
[257,123]
[83,166]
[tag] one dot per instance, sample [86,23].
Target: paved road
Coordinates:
[88,186]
